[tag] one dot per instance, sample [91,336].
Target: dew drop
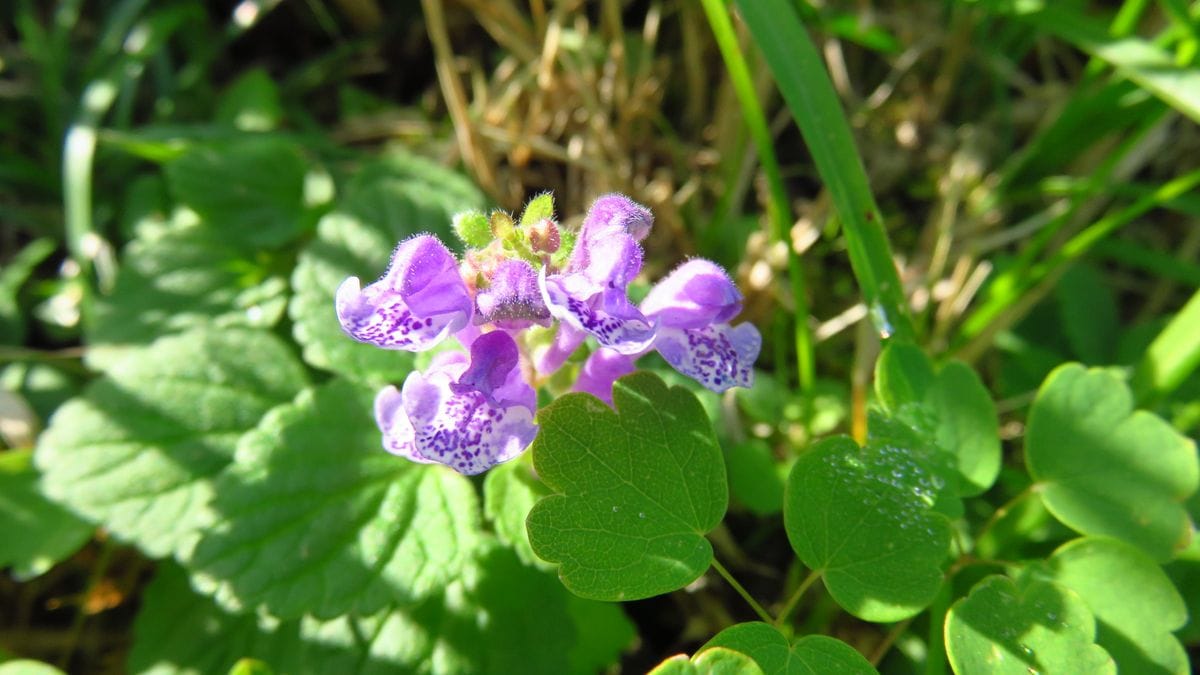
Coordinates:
[641,515]
[615,509]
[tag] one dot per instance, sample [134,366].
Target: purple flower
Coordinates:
[469,416]
[591,295]
[600,371]
[692,307]
[418,302]
[512,299]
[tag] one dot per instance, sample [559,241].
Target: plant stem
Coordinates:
[882,648]
[790,606]
[76,629]
[779,211]
[741,590]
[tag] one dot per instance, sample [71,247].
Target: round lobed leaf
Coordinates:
[637,489]
[1135,627]
[1103,468]
[139,449]
[1032,626]
[861,516]
[771,651]
[315,517]
[715,661]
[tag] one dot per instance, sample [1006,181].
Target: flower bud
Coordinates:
[543,236]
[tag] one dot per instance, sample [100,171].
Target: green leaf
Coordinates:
[1033,625]
[387,202]
[251,103]
[177,278]
[637,489]
[1089,313]
[539,208]
[250,667]
[1103,468]
[13,275]
[28,667]
[1134,627]
[817,109]
[315,517]
[472,228]
[1173,355]
[138,450]
[250,190]
[510,491]
[754,477]
[948,404]
[715,661]
[771,651]
[498,617]
[603,632]
[862,517]
[35,533]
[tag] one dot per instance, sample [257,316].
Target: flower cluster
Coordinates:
[474,409]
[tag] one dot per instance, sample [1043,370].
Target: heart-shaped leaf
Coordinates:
[715,661]
[138,451]
[637,489]
[1103,468]
[862,517]
[771,651]
[948,404]
[314,517]
[387,202]
[1135,627]
[1031,626]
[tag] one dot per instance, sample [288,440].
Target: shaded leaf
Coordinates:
[510,491]
[35,533]
[138,450]
[313,516]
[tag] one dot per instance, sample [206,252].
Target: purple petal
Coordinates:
[605,313]
[696,294]
[420,300]
[550,358]
[717,356]
[512,299]
[599,372]
[614,259]
[469,417]
[617,210]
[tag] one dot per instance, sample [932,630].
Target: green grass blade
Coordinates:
[1172,357]
[1144,63]
[805,85]
[780,212]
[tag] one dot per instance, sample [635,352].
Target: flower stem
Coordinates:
[741,590]
[795,599]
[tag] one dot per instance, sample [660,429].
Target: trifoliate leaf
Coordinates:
[771,651]
[510,491]
[1103,468]
[949,404]
[862,517]
[315,517]
[636,490]
[249,190]
[1135,604]
[498,617]
[176,278]
[35,533]
[138,450]
[387,202]
[715,661]
[1008,628]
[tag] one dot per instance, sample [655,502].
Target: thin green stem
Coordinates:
[76,629]
[790,606]
[779,210]
[741,590]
